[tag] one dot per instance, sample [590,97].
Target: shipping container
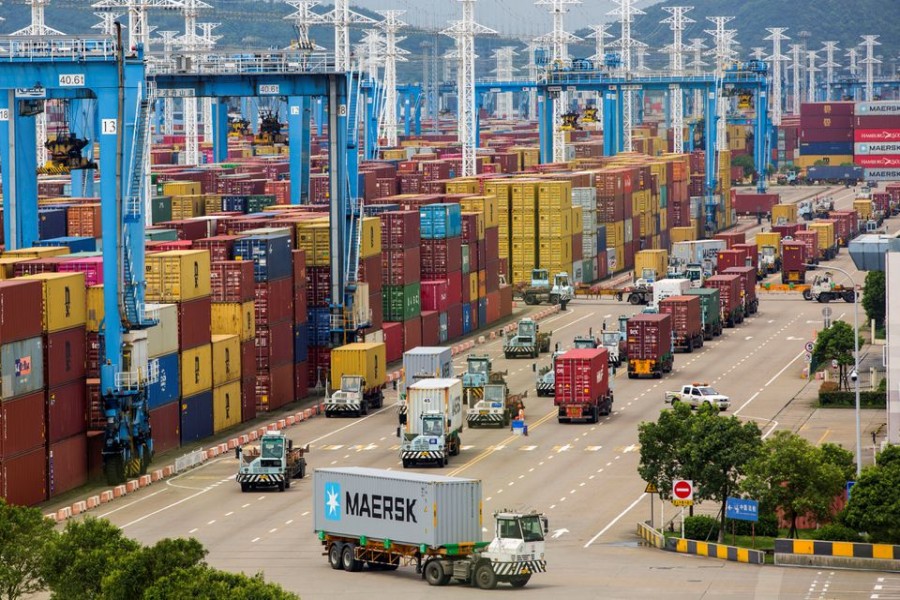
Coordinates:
[400,229]
[21,367]
[393,341]
[428,395]
[440,221]
[196,417]
[248,396]
[582,384]
[793,263]
[427,362]
[226,406]
[167,387]
[710,311]
[226,359]
[274,301]
[67,464]
[232,281]
[274,346]
[730,289]
[196,370]
[754,204]
[810,238]
[162,338]
[66,410]
[827,238]
[194,319]
[401,303]
[401,266]
[649,342]
[231,318]
[687,320]
[748,287]
[364,359]
[64,358]
[450,508]
[20,310]
[165,422]
[64,300]
[22,424]
[275,387]
[177,275]
[270,253]
[23,478]
[651,264]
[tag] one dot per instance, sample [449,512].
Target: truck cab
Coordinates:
[695,273]
[496,408]
[274,462]
[429,440]
[350,399]
[518,538]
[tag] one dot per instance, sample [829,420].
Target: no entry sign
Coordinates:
[682,492]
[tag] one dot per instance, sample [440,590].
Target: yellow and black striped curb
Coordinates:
[732,553]
[838,549]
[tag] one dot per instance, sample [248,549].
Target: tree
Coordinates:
[795,476]
[142,568]
[889,456]
[873,298]
[204,583]
[744,161]
[875,503]
[843,458]
[664,453]
[835,343]
[76,561]
[24,532]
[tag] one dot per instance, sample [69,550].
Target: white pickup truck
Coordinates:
[698,394]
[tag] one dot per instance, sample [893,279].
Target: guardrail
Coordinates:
[189,461]
[850,555]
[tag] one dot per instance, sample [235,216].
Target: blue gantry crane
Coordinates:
[33,69]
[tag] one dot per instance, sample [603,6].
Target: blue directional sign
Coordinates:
[850,485]
[741,509]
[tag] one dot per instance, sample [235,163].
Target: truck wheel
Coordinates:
[807,295]
[849,297]
[405,463]
[348,559]
[302,472]
[520,580]
[485,578]
[434,573]
[280,486]
[245,487]
[690,345]
[334,556]
[595,414]
[824,298]
[634,299]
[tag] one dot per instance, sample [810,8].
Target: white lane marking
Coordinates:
[488,499]
[777,375]
[115,510]
[211,522]
[165,508]
[192,530]
[289,521]
[614,521]
[245,506]
[254,540]
[228,514]
[304,514]
[273,530]
[746,403]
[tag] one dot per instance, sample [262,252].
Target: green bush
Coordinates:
[767,526]
[848,399]
[836,532]
[701,528]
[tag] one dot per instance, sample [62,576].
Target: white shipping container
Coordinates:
[403,507]
[376,337]
[427,362]
[162,338]
[664,288]
[434,395]
[577,272]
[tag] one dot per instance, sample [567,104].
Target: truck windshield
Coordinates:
[432,426]
[351,384]
[272,448]
[610,338]
[707,391]
[509,529]
[532,529]
[493,393]
[526,329]
[478,366]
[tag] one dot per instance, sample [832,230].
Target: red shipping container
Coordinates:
[473,311]
[877,122]
[377,307]
[649,336]
[22,424]
[188,229]
[745,204]
[95,454]
[491,244]
[371,271]
[435,294]
[301,310]
[441,256]
[810,237]
[506,301]
[301,380]
[23,478]
[821,121]
[878,162]
[220,247]
[248,359]
[731,238]
[469,227]
[66,410]
[194,320]
[275,387]
[827,108]
[582,376]
[454,322]
[318,286]
[232,281]
[400,266]
[730,258]
[20,310]
[64,356]
[751,252]
[165,423]
[431,326]
[274,301]
[793,262]
[454,288]
[466,288]
[492,275]
[412,333]
[729,287]
[400,229]
[298,258]
[84,220]
[393,341]
[274,346]
[826,134]
[748,285]
[38,265]
[787,230]
[248,398]
[67,465]
[687,319]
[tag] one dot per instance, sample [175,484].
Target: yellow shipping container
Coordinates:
[482,284]
[226,406]
[177,275]
[315,238]
[557,223]
[826,233]
[682,234]
[393,154]
[65,305]
[370,241]
[226,359]
[463,186]
[473,287]
[656,261]
[577,220]
[365,359]
[95,311]
[525,193]
[663,220]
[486,205]
[805,161]
[769,238]
[188,207]
[232,318]
[524,253]
[212,203]
[8,266]
[555,251]
[37,252]
[615,234]
[196,370]
[863,208]
[181,188]
[553,193]
[784,214]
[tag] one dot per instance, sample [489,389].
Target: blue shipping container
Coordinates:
[443,335]
[196,417]
[466,317]
[440,221]
[301,342]
[73,243]
[234,204]
[168,384]
[376,209]
[319,326]
[51,223]
[841,148]
[601,238]
[270,253]
[482,312]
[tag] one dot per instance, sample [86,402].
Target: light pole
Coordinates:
[854,375]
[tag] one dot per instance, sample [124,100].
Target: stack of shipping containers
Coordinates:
[523,230]
[585,198]
[400,267]
[876,131]
[826,133]
[164,395]
[313,238]
[441,269]
[554,227]
[301,326]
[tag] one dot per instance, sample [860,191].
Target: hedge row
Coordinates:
[848,399]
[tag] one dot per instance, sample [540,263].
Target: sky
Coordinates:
[510,17]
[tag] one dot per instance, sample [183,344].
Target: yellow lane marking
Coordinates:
[504,443]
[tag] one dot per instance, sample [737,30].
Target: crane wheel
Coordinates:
[114,470]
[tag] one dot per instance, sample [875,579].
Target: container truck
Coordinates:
[582,385]
[731,258]
[834,174]
[710,311]
[650,265]
[793,263]
[434,411]
[810,238]
[824,289]
[496,407]
[388,519]
[849,225]
[730,291]
[827,245]
[695,259]
[748,288]
[274,462]
[357,376]
[784,214]
[768,245]
[650,345]
[751,254]
[528,341]
[687,323]
[424,362]
[664,288]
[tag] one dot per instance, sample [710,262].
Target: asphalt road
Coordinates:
[582,476]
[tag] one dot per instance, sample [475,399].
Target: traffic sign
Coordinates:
[741,510]
[808,357]
[826,312]
[682,492]
[651,488]
[810,346]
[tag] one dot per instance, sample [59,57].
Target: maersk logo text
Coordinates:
[376,506]
[333,501]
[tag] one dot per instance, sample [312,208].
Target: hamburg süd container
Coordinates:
[64,300]
[402,507]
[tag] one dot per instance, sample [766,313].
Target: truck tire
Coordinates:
[348,559]
[554,299]
[690,345]
[287,483]
[280,486]
[405,463]
[849,296]
[634,299]
[302,472]
[595,414]
[334,556]
[484,577]
[245,487]
[520,581]
[434,573]
[824,298]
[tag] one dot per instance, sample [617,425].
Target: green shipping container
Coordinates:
[257,202]
[161,209]
[663,196]
[161,235]
[587,270]
[710,311]
[402,302]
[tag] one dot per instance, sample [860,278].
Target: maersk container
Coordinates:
[427,362]
[702,252]
[435,395]
[664,288]
[403,507]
